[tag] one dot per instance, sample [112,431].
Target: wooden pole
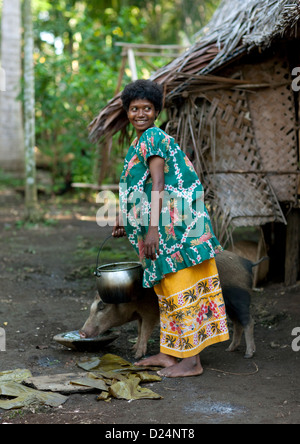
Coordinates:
[132,64]
[143,46]
[292,247]
[121,75]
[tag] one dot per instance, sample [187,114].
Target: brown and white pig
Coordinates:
[105,316]
[236,282]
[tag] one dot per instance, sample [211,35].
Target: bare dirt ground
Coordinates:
[46,287]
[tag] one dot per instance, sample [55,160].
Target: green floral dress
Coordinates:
[186,237]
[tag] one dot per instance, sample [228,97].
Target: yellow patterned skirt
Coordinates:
[192,310]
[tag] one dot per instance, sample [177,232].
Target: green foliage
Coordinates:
[8,180]
[77,67]
[72,86]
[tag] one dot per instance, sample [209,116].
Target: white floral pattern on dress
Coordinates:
[186,237]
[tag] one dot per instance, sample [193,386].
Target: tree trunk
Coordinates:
[11,121]
[29,115]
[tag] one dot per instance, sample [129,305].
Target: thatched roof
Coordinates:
[237,27]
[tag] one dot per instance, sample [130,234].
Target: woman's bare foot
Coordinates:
[160,360]
[187,367]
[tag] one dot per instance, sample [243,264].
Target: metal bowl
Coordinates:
[120,282]
[73,340]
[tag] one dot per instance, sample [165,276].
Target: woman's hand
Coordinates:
[151,244]
[118,230]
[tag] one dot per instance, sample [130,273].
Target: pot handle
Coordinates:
[100,249]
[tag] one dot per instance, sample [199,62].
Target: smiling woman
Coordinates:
[157,184]
[142,115]
[143,89]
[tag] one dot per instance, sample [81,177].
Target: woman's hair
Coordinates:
[143,89]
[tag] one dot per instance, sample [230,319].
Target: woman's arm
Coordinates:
[156,166]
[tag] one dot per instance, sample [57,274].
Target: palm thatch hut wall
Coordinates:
[232,107]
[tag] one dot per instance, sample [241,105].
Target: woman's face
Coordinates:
[142,115]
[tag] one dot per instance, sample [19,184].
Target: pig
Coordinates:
[105,316]
[249,250]
[236,282]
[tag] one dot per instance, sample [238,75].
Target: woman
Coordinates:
[163,214]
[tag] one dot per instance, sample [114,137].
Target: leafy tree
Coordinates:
[168,20]
[76,74]
[29,116]
[77,68]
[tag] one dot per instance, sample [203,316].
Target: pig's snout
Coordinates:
[87,332]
